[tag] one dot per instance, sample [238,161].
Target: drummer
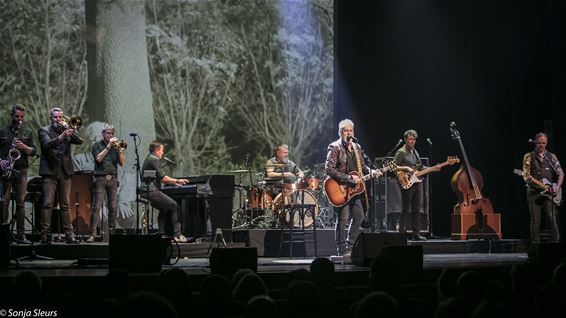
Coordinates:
[279,170]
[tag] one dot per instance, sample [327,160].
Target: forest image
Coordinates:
[213,80]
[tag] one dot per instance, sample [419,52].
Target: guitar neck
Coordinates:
[431,169]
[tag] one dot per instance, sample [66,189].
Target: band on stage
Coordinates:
[340,183]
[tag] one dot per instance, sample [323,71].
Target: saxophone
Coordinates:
[13,155]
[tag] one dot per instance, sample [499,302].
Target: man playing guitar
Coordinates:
[540,164]
[343,157]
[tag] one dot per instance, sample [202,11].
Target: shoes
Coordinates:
[180,238]
[91,239]
[72,240]
[418,237]
[21,239]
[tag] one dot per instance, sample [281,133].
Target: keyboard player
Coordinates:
[168,209]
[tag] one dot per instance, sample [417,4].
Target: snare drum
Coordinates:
[296,197]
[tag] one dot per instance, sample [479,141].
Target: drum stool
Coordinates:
[287,227]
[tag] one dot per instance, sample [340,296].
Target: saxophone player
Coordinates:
[16,145]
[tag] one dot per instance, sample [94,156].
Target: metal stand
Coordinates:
[218,238]
[138,176]
[33,255]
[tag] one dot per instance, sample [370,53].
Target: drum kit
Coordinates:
[262,203]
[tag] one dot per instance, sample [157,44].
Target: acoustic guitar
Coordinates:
[407,179]
[545,186]
[340,194]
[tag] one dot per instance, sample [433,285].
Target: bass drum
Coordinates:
[295,197]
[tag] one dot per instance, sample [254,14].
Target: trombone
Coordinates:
[74,122]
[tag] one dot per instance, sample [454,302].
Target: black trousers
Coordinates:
[19,182]
[167,208]
[348,221]
[51,184]
[410,211]
[539,204]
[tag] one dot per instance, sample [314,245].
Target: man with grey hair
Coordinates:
[56,169]
[281,168]
[407,158]
[107,155]
[344,156]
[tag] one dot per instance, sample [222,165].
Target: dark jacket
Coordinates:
[55,154]
[336,163]
[6,138]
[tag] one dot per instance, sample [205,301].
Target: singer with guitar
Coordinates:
[345,166]
[407,159]
[541,164]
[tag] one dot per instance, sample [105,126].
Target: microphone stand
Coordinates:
[137,167]
[429,190]
[390,153]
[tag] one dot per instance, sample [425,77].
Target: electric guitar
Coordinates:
[546,187]
[407,179]
[339,194]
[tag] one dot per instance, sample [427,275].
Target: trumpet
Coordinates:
[120,145]
[74,122]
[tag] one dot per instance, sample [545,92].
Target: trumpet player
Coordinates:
[56,169]
[16,145]
[108,153]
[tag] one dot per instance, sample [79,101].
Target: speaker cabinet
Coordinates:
[368,246]
[227,261]
[5,254]
[136,253]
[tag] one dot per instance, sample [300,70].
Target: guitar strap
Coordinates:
[358,155]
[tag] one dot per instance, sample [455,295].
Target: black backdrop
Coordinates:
[496,68]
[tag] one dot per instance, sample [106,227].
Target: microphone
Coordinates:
[452,124]
[531,141]
[169,160]
[352,138]
[428,141]
[133,134]
[399,143]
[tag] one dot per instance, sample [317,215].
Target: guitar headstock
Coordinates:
[452,160]
[388,166]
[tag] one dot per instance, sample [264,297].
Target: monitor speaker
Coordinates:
[5,255]
[136,253]
[368,246]
[227,261]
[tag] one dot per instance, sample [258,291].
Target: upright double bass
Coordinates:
[473,216]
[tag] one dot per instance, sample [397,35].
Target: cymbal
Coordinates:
[319,165]
[239,171]
[270,165]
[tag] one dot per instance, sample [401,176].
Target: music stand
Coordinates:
[33,256]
